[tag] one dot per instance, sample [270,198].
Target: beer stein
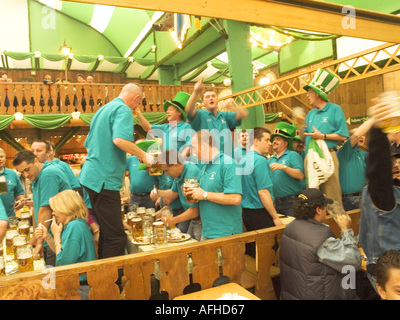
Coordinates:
[2,267]
[25,258]
[10,234]
[137,228]
[155,169]
[191,183]
[160,233]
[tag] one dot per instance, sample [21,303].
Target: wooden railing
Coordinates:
[39,98]
[139,267]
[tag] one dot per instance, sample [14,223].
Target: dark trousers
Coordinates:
[255,219]
[107,205]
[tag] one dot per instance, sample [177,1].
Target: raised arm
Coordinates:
[190,108]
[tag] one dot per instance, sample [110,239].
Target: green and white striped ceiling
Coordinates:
[115,39]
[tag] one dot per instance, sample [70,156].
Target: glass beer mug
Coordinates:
[155,169]
[25,258]
[191,183]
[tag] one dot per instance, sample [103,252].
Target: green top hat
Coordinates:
[179,102]
[323,83]
[285,130]
[145,145]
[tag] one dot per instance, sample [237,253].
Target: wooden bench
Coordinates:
[138,268]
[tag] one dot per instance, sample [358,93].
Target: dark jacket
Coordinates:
[303,276]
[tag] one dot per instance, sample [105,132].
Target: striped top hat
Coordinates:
[323,83]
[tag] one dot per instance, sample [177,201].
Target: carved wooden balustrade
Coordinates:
[39,98]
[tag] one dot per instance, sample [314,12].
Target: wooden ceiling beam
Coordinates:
[311,15]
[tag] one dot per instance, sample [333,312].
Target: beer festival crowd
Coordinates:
[202,174]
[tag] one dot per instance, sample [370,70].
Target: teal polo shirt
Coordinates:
[174,137]
[15,189]
[352,168]
[330,119]
[239,153]
[3,213]
[140,180]
[218,220]
[73,180]
[105,164]
[189,170]
[219,125]
[284,184]
[164,183]
[77,244]
[256,176]
[51,181]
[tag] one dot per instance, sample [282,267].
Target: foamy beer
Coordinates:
[2,267]
[191,183]
[168,212]
[10,234]
[13,222]
[130,216]
[25,216]
[24,228]
[155,169]
[159,232]
[137,229]
[18,242]
[390,122]
[141,211]
[25,259]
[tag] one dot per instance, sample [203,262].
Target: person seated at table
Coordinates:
[72,240]
[219,192]
[181,170]
[387,274]
[312,258]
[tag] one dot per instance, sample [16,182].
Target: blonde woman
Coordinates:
[72,239]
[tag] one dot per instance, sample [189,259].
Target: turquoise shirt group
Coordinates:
[256,176]
[284,184]
[51,181]
[140,180]
[220,175]
[352,169]
[106,163]
[330,119]
[219,125]
[189,170]
[15,189]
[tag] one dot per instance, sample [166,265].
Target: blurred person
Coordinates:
[394,139]
[311,257]
[89,79]
[14,198]
[47,181]
[80,78]
[353,163]
[380,210]
[219,123]
[72,240]
[47,79]
[387,273]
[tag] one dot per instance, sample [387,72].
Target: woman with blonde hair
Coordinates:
[72,239]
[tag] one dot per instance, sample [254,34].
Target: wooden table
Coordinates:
[217,292]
